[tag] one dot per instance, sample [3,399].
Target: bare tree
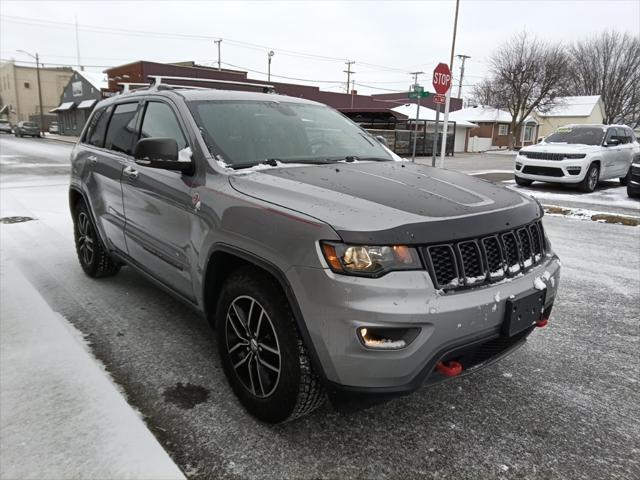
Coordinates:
[487,93]
[530,75]
[608,65]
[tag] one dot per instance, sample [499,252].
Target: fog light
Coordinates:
[574,170]
[387,338]
[518,165]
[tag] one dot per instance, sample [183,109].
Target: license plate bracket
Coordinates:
[523,311]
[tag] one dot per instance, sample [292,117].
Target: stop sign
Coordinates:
[442,78]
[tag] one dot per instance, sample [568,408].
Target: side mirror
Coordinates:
[158,152]
[382,140]
[612,142]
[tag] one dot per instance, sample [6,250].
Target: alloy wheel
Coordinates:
[252,346]
[593,178]
[85,238]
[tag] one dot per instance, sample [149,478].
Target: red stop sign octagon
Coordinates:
[441,78]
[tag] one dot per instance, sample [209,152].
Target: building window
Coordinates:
[27,85]
[503,130]
[528,133]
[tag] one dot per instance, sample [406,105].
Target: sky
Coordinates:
[310,40]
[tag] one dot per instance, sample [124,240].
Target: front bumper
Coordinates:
[335,306]
[555,171]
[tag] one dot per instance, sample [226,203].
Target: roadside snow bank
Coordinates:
[61,415]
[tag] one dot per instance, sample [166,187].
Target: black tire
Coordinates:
[295,390]
[631,193]
[625,180]
[590,181]
[92,255]
[523,182]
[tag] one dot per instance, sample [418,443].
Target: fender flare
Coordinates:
[282,280]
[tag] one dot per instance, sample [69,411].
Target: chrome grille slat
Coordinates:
[486,259]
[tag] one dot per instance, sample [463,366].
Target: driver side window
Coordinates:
[160,121]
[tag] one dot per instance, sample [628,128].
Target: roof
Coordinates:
[410,110]
[97,79]
[63,106]
[210,94]
[577,106]
[86,103]
[482,114]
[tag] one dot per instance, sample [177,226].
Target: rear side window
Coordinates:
[97,128]
[160,121]
[121,132]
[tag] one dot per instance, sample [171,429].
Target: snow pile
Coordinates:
[61,415]
[539,284]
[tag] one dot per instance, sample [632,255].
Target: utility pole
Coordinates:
[37,58]
[445,126]
[218,42]
[463,58]
[348,71]
[269,56]
[39,94]
[415,130]
[78,47]
[353,89]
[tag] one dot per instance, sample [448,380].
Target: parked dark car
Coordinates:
[27,129]
[5,126]
[633,179]
[327,264]
[54,127]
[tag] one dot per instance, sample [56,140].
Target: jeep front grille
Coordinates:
[487,259]
[551,156]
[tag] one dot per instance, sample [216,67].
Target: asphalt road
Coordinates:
[566,405]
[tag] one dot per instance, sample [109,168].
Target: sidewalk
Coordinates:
[61,416]
[60,138]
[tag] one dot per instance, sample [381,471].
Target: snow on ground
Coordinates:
[511,153]
[61,415]
[607,193]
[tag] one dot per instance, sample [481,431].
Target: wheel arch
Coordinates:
[222,260]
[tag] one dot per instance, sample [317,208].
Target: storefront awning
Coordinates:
[86,104]
[63,106]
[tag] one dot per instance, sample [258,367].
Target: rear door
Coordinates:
[158,206]
[104,169]
[626,150]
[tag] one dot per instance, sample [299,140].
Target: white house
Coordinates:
[578,109]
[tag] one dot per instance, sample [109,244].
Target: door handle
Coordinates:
[130,172]
[92,159]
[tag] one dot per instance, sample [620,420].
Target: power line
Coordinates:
[147,33]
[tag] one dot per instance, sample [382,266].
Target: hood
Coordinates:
[561,148]
[391,202]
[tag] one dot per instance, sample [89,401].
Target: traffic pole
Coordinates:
[415,132]
[448,101]
[445,125]
[435,137]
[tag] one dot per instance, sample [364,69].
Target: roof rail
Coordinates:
[159,79]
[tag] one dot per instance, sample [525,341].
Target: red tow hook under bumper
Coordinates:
[449,369]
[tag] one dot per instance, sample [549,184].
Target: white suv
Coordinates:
[578,154]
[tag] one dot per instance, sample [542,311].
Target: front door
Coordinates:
[611,155]
[158,207]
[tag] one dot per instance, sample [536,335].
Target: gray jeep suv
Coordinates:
[327,265]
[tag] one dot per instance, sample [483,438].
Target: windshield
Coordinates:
[577,135]
[246,133]
[30,124]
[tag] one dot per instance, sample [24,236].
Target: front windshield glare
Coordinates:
[246,133]
[580,135]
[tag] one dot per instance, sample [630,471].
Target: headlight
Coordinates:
[370,261]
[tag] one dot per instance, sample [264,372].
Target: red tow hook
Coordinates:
[542,323]
[450,369]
